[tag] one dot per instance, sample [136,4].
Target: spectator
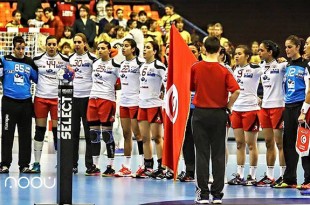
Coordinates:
[131,24]
[16,20]
[120,18]
[67,11]
[66,49]
[67,37]
[143,19]
[38,21]
[85,25]
[100,6]
[218,31]
[28,9]
[154,32]
[166,20]
[108,19]
[255,57]
[54,22]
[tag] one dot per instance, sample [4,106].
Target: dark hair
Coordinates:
[227,58]
[85,8]
[65,44]
[298,42]
[48,9]
[132,14]
[196,45]
[40,7]
[18,39]
[142,12]
[169,6]
[133,44]
[109,5]
[246,50]
[130,22]
[119,9]
[155,48]
[50,37]
[107,44]
[212,45]
[15,12]
[271,46]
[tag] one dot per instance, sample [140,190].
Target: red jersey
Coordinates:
[67,13]
[212,82]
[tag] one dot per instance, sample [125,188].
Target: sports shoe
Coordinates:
[284,185]
[249,181]
[303,186]
[169,174]
[4,170]
[158,173]
[305,192]
[109,172]
[75,170]
[202,201]
[93,171]
[144,173]
[187,178]
[26,170]
[123,172]
[278,181]
[264,182]
[217,201]
[181,175]
[235,181]
[36,168]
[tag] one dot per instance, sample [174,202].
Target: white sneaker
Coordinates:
[217,201]
[202,201]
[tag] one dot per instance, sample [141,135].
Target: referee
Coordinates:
[212,82]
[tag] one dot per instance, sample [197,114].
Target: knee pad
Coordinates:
[94,136]
[107,136]
[39,134]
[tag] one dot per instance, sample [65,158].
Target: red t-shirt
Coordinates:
[212,82]
[67,13]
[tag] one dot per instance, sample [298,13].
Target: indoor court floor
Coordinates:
[25,189]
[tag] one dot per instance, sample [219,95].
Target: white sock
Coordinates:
[282,170]
[253,171]
[96,161]
[127,161]
[37,150]
[240,171]
[182,164]
[142,159]
[270,172]
[111,161]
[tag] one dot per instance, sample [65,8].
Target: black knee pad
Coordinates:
[107,136]
[94,136]
[39,134]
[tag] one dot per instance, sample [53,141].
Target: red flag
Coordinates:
[177,99]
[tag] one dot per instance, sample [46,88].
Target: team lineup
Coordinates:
[284,105]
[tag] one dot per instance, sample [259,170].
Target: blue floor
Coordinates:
[29,189]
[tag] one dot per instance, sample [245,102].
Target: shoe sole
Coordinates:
[126,175]
[107,175]
[90,175]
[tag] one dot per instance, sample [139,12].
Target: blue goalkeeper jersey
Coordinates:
[17,75]
[296,75]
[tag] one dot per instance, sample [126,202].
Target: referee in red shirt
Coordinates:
[212,82]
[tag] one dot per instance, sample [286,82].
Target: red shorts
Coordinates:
[43,105]
[271,117]
[128,112]
[248,120]
[152,115]
[101,110]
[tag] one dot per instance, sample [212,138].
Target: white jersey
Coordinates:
[248,79]
[152,77]
[105,75]
[129,75]
[82,65]
[272,81]
[47,86]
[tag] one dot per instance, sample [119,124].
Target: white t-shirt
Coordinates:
[82,65]
[152,77]
[272,81]
[129,75]
[248,79]
[47,86]
[105,75]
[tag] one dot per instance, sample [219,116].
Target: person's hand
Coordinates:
[281,60]
[302,117]
[259,102]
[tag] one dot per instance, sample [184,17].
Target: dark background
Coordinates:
[248,20]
